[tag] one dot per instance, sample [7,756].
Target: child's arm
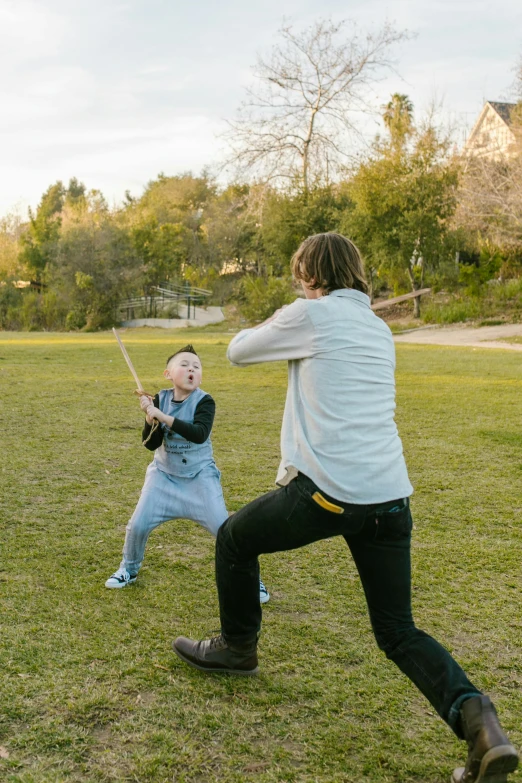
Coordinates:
[153,440]
[199,430]
[196,432]
[153,412]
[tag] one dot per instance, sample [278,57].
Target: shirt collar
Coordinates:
[352,293]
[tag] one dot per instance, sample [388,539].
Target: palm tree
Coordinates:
[398,117]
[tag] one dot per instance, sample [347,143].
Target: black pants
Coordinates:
[379,538]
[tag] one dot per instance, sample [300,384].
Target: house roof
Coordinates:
[503,110]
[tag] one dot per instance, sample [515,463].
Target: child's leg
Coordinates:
[203,500]
[155,506]
[207,507]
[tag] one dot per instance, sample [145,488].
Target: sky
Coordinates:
[114,93]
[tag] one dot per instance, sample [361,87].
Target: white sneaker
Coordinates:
[121,578]
[264,595]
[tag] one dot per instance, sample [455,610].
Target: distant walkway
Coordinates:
[204,316]
[481,337]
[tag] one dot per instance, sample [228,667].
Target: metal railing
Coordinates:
[166,297]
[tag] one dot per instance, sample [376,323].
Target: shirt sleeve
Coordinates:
[156,439]
[289,336]
[199,430]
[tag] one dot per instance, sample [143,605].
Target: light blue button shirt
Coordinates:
[338,424]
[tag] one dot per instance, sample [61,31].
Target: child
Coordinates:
[182,481]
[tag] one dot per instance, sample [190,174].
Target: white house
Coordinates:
[492,135]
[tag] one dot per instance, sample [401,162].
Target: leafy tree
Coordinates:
[75,193]
[10,231]
[38,243]
[259,297]
[231,226]
[162,249]
[166,224]
[95,265]
[288,218]
[404,196]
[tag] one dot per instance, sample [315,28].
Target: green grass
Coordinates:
[90,690]
[512,340]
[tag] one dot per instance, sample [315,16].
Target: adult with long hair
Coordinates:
[342,473]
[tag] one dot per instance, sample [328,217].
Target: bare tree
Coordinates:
[517,85]
[490,199]
[302,115]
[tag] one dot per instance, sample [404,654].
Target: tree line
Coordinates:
[420,213]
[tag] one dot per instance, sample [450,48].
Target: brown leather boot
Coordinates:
[491,756]
[215,655]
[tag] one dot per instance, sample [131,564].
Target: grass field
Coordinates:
[89,687]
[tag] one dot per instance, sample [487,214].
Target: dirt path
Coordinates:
[483,337]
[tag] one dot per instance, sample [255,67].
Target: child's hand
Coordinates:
[145,401]
[153,412]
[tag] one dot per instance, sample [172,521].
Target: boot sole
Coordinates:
[220,670]
[495,766]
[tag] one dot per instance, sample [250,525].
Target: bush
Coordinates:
[509,292]
[10,301]
[445,277]
[474,276]
[75,319]
[259,297]
[452,312]
[496,299]
[29,310]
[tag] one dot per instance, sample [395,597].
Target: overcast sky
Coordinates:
[116,92]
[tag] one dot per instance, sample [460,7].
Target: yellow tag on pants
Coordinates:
[324,503]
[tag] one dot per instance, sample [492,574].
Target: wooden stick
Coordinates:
[403,298]
[139,391]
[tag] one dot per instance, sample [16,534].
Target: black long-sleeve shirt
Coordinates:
[196,432]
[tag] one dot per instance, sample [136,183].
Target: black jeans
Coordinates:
[379,538]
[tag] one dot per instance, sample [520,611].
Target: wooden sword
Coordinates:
[139,391]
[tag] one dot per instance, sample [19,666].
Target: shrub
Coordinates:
[492,300]
[259,297]
[10,301]
[452,312]
[75,319]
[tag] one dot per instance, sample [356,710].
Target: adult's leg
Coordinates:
[284,519]
[156,505]
[381,552]
[201,499]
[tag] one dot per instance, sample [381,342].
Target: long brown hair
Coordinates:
[332,261]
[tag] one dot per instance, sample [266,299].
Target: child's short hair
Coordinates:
[187,349]
[332,260]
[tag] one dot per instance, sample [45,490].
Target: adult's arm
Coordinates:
[288,336]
